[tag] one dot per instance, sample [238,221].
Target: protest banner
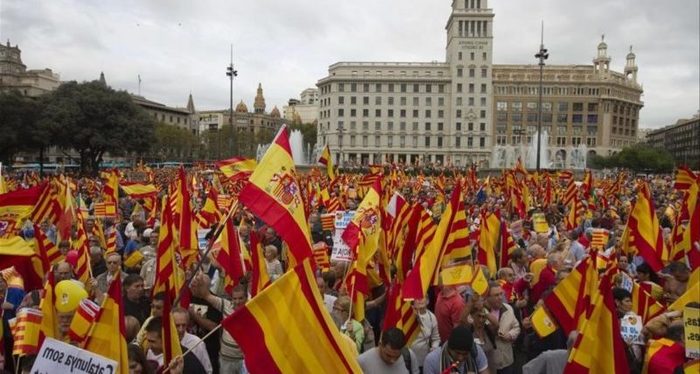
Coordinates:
[58,357]
[691,321]
[540,223]
[341,251]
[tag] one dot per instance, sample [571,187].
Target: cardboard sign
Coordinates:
[691,320]
[58,357]
[341,251]
[631,329]
[343,218]
[540,223]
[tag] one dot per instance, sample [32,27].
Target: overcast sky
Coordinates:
[178,47]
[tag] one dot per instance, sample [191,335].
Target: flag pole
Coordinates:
[201,340]
[218,231]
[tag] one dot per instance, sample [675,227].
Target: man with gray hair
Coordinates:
[552,361]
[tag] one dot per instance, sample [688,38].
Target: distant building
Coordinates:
[15,76]
[184,118]
[682,140]
[458,111]
[303,110]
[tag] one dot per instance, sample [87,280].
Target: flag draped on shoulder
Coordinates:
[305,341]
[274,194]
[108,335]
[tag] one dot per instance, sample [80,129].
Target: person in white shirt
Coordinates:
[428,337]
[328,299]
[181,318]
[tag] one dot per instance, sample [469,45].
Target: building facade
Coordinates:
[15,76]
[303,110]
[456,112]
[184,118]
[682,140]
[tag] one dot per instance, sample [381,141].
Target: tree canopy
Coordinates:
[639,157]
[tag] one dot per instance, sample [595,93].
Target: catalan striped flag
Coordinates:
[169,276]
[259,278]
[684,178]
[237,167]
[104,209]
[47,250]
[599,239]
[25,330]
[274,195]
[645,236]
[321,256]
[49,323]
[188,244]
[404,251]
[328,221]
[49,205]
[305,341]
[426,267]
[563,302]
[110,189]
[644,304]
[587,184]
[600,348]
[83,268]
[400,314]
[108,334]
[327,160]
[457,246]
[508,245]
[171,340]
[210,213]
[83,319]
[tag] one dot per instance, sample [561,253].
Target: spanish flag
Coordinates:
[138,190]
[210,213]
[108,334]
[274,195]
[663,356]
[327,160]
[566,300]
[508,245]
[305,341]
[47,306]
[488,239]
[188,244]
[237,167]
[16,206]
[259,278]
[228,254]
[600,348]
[366,223]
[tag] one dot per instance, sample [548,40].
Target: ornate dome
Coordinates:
[631,55]
[275,112]
[241,108]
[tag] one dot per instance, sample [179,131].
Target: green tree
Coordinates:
[639,157]
[19,126]
[173,143]
[93,119]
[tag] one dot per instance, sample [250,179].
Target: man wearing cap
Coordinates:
[459,355]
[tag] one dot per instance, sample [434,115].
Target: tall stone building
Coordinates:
[458,111]
[681,139]
[15,76]
[304,109]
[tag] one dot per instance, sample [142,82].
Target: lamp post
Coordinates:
[231,73]
[340,145]
[541,55]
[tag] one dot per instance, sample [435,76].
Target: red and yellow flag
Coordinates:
[684,178]
[108,335]
[327,160]
[274,195]
[305,341]
[25,328]
[237,167]
[488,239]
[16,206]
[645,236]
[259,277]
[169,275]
[663,356]
[227,252]
[600,348]
[83,319]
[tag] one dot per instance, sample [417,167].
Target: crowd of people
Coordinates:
[461,329]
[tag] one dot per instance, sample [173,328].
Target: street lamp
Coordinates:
[340,144]
[541,55]
[231,73]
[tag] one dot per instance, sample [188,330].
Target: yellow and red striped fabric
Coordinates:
[327,160]
[26,330]
[305,341]
[108,335]
[227,250]
[684,178]
[237,167]
[645,236]
[83,319]
[259,276]
[488,238]
[15,207]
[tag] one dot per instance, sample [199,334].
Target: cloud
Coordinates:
[180,47]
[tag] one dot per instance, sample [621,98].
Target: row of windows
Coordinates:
[390,87]
[471,56]
[562,106]
[428,141]
[559,141]
[472,72]
[403,113]
[403,100]
[547,117]
[427,126]
[547,90]
[560,130]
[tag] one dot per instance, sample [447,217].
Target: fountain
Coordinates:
[507,156]
[296,142]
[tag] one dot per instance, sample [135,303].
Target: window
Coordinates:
[390,126]
[365,100]
[471,56]
[471,72]
[471,87]
[484,72]
[353,112]
[440,126]
[353,100]
[458,126]
[428,101]
[365,125]
[459,87]
[403,87]
[402,141]
[390,141]
[459,101]
[470,142]
[482,101]
[353,124]
[377,141]
[378,100]
[482,126]
[577,118]
[353,87]
[415,141]
[377,126]
[460,72]
[402,113]
[427,126]
[439,141]
[341,100]
[378,87]
[402,126]
[458,141]
[458,113]
[592,107]
[428,113]
[517,106]
[563,106]
[482,142]
[416,101]
[341,112]
[427,141]
[352,140]
[416,88]
[578,107]
[365,87]
[390,113]
[341,87]
[402,101]
[471,101]
[441,113]
[470,126]
[415,126]
[459,56]
[441,101]
[483,56]
[483,88]
[364,141]
[562,118]
[428,88]
[391,87]
[592,118]
[365,112]
[415,113]
[390,100]
[377,112]
[482,114]
[441,88]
